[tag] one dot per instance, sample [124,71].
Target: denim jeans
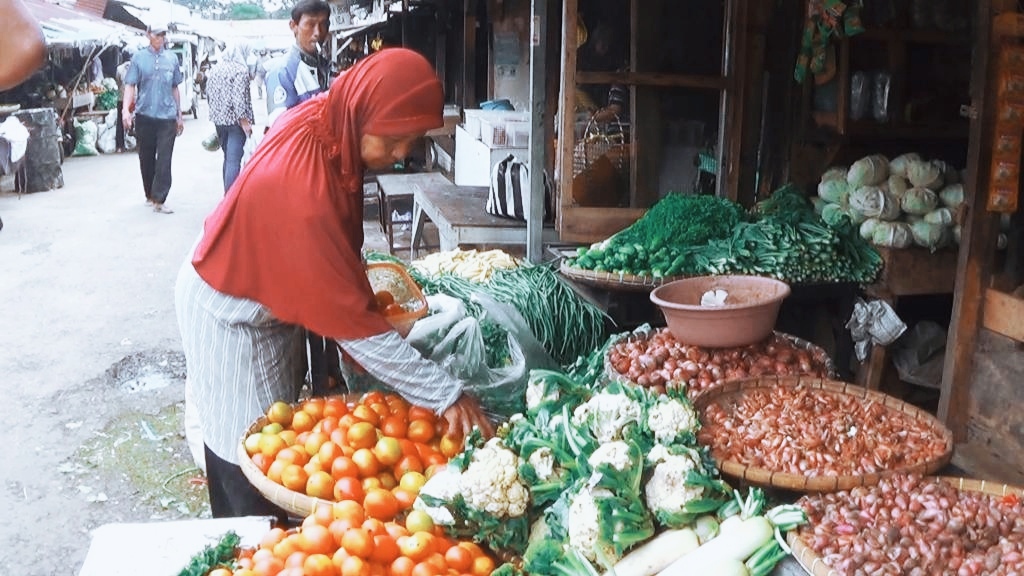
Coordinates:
[232,142]
[155,140]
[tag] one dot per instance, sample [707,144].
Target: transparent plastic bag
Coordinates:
[860,95]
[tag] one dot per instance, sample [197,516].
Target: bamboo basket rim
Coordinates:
[295,502]
[612,280]
[814,484]
[815,565]
[819,355]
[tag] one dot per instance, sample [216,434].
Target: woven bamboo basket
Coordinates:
[815,565]
[800,483]
[611,281]
[295,502]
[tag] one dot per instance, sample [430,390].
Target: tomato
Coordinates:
[402,566]
[335,407]
[394,427]
[362,435]
[316,539]
[394,310]
[328,452]
[425,569]
[320,485]
[294,477]
[451,446]
[420,430]
[380,503]
[284,548]
[418,521]
[271,444]
[268,566]
[482,566]
[220,572]
[315,407]
[459,558]
[387,450]
[421,413]
[355,566]
[292,455]
[314,441]
[302,421]
[261,462]
[364,413]
[318,565]
[323,513]
[342,467]
[358,542]
[383,298]
[280,413]
[387,480]
[385,549]
[417,546]
[349,488]
[371,482]
[366,462]
[408,464]
[327,425]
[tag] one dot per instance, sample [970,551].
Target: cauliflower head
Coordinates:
[491,482]
[666,491]
[669,418]
[606,415]
[583,525]
[543,462]
[615,453]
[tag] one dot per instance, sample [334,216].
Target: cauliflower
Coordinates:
[584,522]
[538,392]
[604,520]
[491,482]
[606,415]
[444,486]
[543,462]
[616,454]
[669,418]
[667,492]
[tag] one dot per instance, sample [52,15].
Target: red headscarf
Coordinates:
[289,232]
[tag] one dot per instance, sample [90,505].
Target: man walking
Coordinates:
[305,69]
[151,93]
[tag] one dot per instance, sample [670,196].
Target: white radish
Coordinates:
[720,555]
[656,554]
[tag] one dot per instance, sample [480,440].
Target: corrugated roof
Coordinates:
[66,27]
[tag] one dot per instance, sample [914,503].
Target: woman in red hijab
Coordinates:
[281,253]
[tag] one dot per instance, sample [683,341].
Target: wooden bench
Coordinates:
[458,212]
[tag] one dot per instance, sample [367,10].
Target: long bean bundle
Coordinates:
[566,324]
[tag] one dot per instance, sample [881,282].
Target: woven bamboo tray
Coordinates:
[294,502]
[800,483]
[610,281]
[815,565]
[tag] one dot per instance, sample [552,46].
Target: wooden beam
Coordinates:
[734,68]
[653,79]
[567,115]
[1004,314]
[977,241]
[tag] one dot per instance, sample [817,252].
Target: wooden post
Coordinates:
[566,113]
[977,241]
[538,144]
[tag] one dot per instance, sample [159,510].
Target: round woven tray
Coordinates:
[612,281]
[816,566]
[799,483]
[294,502]
[818,353]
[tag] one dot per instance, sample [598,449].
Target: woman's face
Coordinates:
[382,152]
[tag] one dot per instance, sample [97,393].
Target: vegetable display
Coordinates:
[812,432]
[888,199]
[915,526]
[781,237]
[220,555]
[655,359]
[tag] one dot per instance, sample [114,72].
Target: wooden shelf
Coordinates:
[909,131]
[910,36]
[1004,314]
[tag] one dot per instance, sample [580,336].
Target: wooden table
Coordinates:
[906,272]
[397,189]
[458,212]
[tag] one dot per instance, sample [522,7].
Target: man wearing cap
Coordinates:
[152,104]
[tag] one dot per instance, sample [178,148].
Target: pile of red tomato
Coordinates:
[370,457]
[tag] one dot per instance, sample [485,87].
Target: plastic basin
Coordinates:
[748,316]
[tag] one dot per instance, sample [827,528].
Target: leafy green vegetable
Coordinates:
[221,555]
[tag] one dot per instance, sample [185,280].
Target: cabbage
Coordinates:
[924,175]
[956,234]
[898,165]
[949,174]
[872,202]
[834,173]
[942,216]
[897,186]
[834,191]
[928,235]
[855,216]
[834,215]
[892,234]
[819,204]
[867,228]
[868,171]
[952,196]
[919,201]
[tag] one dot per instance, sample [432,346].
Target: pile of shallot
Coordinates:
[915,526]
[659,360]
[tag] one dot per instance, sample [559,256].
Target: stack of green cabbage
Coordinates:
[897,203]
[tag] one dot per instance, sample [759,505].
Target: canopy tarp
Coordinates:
[66,27]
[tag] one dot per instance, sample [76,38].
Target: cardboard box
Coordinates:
[474,159]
